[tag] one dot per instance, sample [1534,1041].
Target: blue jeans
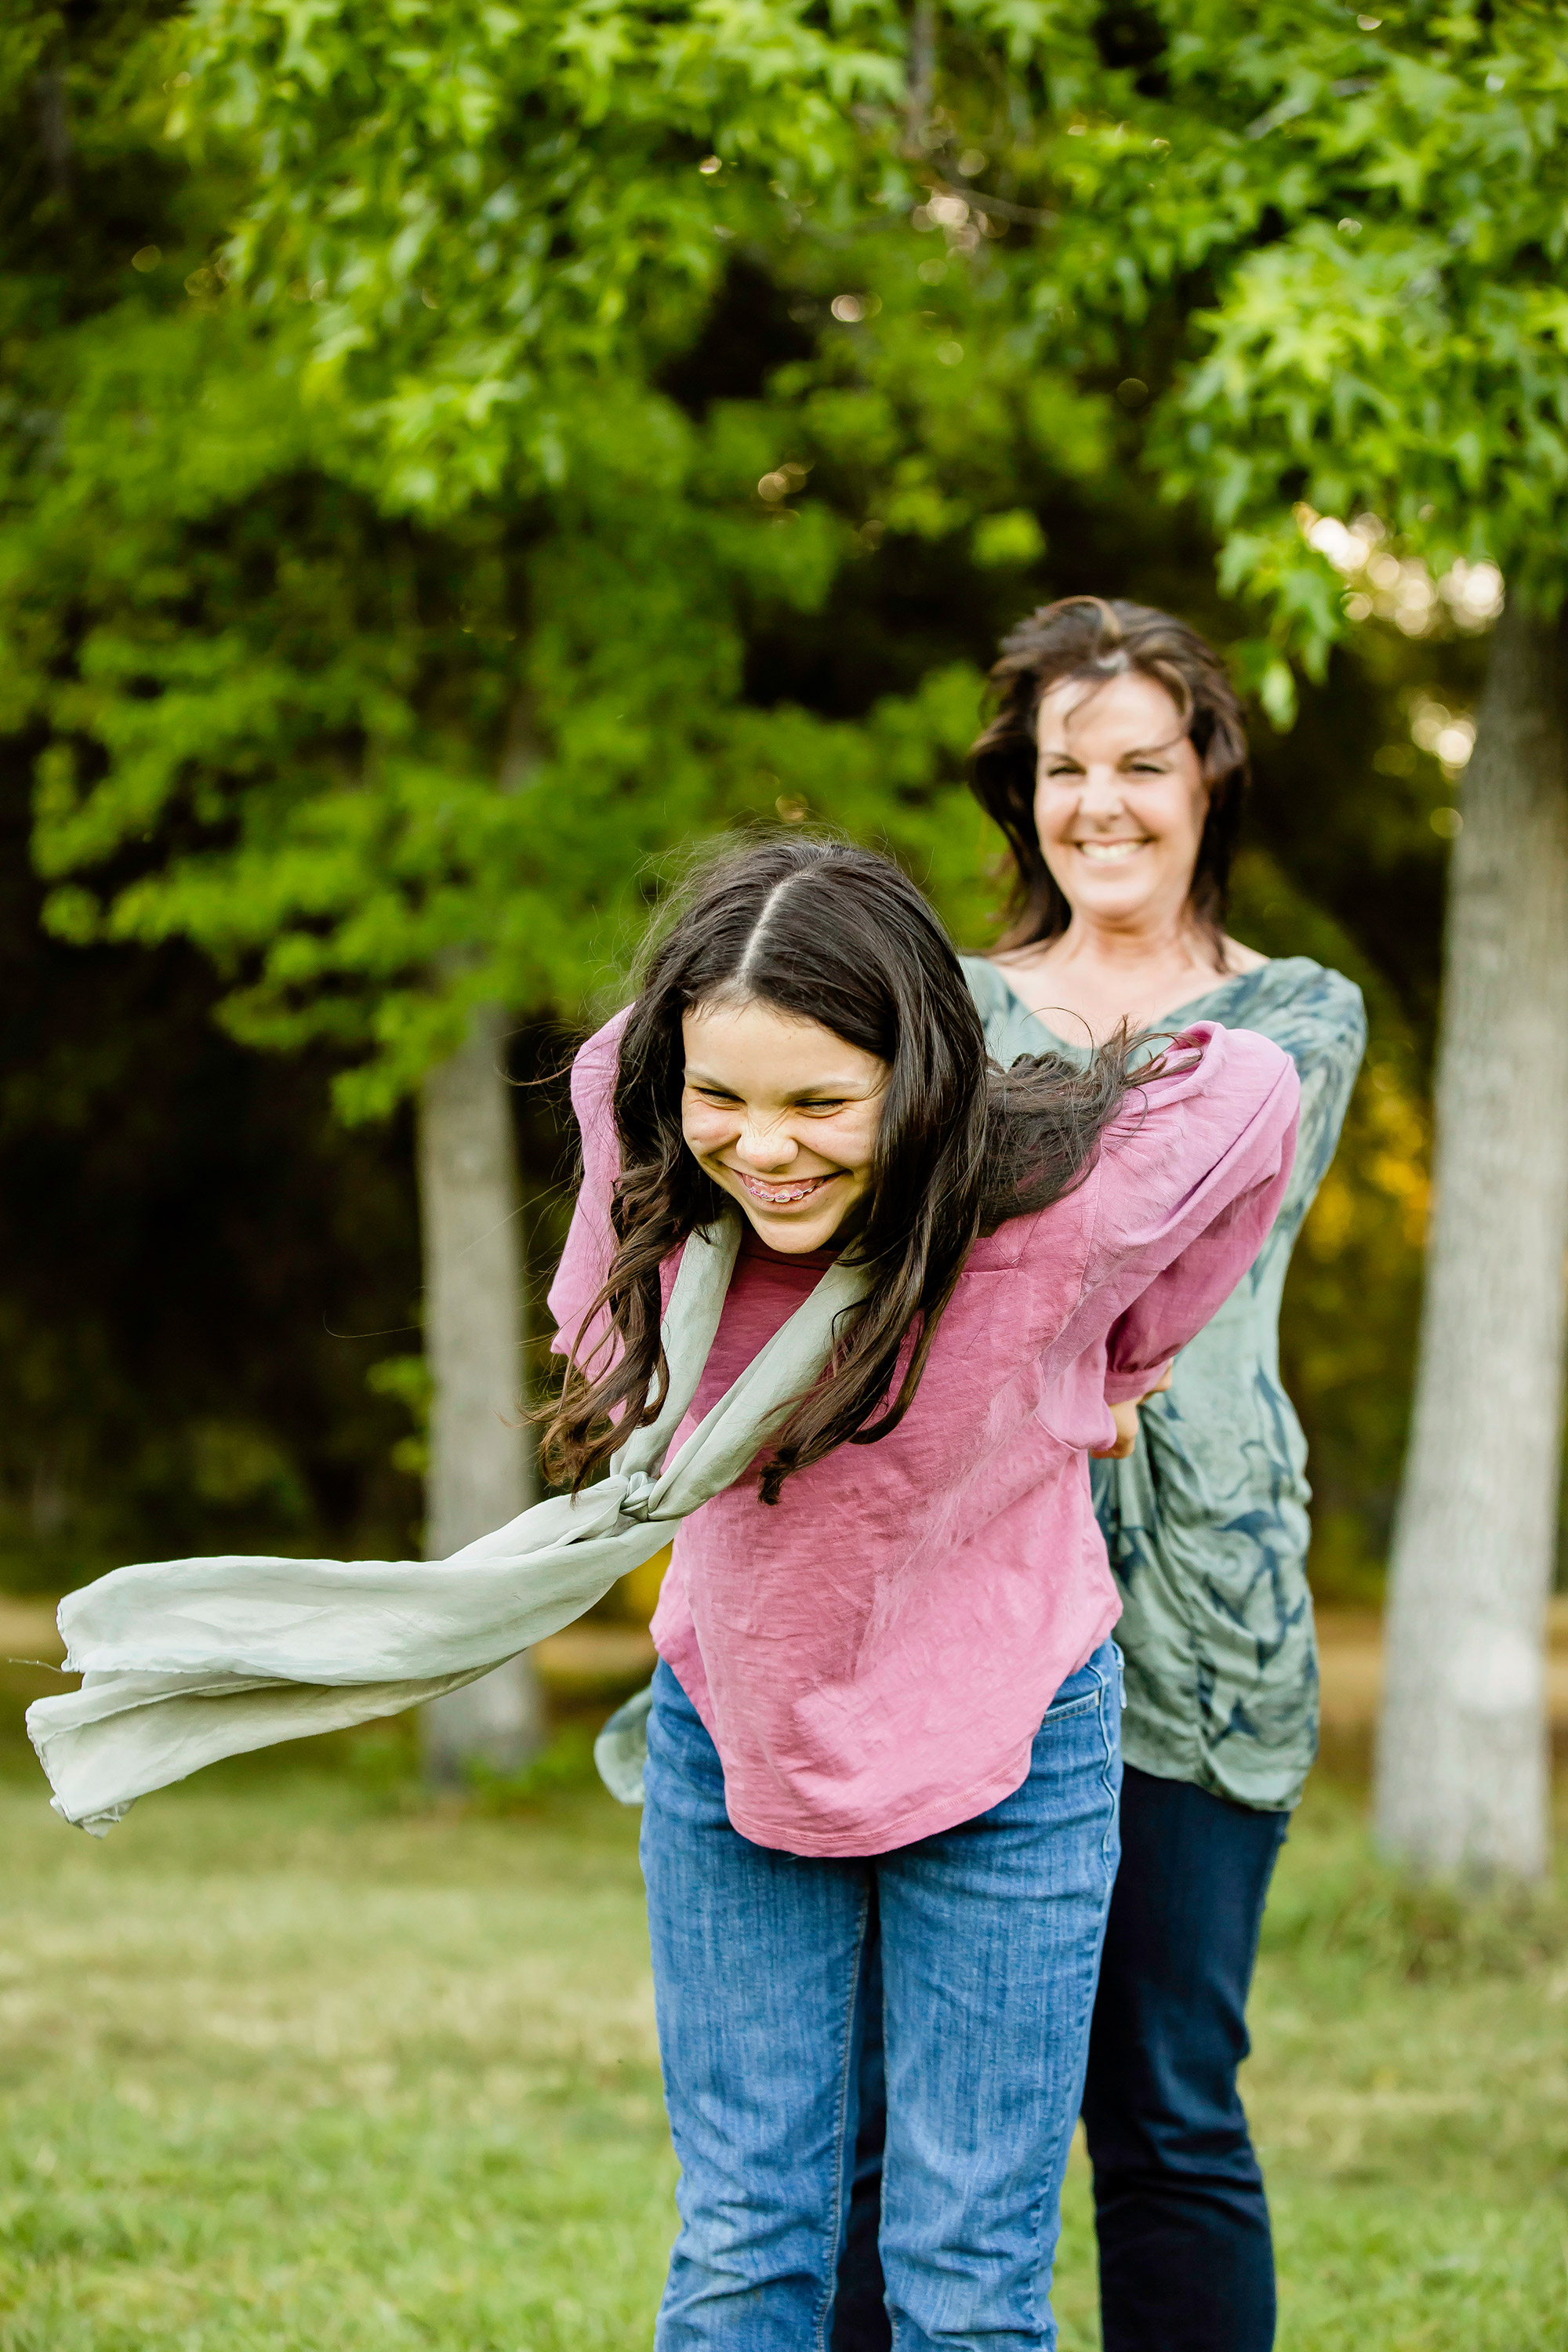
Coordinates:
[989,1936]
[1186,2262]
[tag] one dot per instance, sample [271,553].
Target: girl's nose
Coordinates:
[765,1146]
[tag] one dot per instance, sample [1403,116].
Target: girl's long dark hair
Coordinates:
[825,932]
[1095,638]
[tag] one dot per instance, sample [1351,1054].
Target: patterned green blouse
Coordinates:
[1206,1521]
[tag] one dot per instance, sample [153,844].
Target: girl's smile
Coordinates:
[781,1196]
[785,1116]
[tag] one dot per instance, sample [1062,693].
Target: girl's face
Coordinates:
[1119,800]
[784,1115]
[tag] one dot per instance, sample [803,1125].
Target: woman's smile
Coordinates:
[1107,853]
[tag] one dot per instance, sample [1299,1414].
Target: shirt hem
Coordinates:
[860,1841]
[931,1820]
[1198,1773]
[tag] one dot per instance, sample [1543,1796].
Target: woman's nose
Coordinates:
[1102,794]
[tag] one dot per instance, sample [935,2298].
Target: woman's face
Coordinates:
[784,1115]
[1119,800]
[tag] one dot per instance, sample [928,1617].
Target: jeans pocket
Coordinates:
[1063,1710]
[1084,1688]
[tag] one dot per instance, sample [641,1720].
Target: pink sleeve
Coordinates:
[1192,1177]
[590,1245]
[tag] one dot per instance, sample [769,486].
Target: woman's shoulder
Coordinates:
[1306,1007]
[986,983]
[1282,982]
[1010,1027]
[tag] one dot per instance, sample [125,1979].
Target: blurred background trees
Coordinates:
[453,456]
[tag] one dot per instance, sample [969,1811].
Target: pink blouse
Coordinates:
[873,1653]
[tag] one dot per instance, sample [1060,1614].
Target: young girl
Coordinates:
[886,1696]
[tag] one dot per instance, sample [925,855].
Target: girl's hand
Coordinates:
[1125,1416]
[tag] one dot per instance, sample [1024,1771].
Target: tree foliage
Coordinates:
[457,455]
[1339,241]
[381,633]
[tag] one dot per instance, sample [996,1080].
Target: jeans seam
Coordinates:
[1086,2012]
[846,2070]
[1109,1692]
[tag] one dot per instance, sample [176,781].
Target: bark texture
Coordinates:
[481,1460]
[1462,1772]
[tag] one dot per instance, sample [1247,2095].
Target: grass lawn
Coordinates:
[287,2065]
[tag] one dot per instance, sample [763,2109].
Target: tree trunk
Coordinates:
[921,84]
[1462,1768]
[482,1462]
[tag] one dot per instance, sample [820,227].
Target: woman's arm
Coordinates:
[1324,1030]
[1125,1416]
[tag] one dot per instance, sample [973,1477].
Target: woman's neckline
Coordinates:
[1188,1007]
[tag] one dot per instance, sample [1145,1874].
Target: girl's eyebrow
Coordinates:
[837,1089]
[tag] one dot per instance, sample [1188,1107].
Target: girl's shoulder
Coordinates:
[596,1066]
[1211,1092]
[1214,1114]
[1211,1063]
[596,1062]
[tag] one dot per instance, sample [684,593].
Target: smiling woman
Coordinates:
[1121,806]
[1116,765]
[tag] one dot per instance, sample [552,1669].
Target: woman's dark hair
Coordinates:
[1095,638]
[825,932]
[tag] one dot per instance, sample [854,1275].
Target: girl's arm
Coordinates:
[1192,1178]
[1322,1028]
[590,1243]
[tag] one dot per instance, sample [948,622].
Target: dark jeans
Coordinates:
[1186,2262]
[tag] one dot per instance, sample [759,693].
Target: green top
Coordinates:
[1205,1522]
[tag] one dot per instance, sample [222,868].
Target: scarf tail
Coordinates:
[104,1746]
